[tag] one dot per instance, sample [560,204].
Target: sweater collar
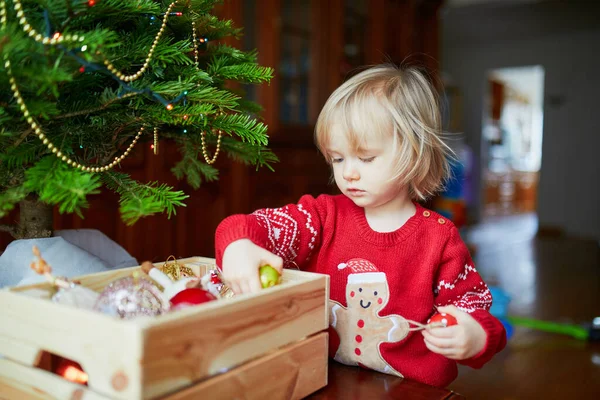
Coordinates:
[383,238]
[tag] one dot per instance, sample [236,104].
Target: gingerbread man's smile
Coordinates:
[363,306]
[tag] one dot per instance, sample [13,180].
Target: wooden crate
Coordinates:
[267,345]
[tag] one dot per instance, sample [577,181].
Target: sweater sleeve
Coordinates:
[458,283]
[293,232]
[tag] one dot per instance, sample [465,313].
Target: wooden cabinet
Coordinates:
[510,192]
[313,46]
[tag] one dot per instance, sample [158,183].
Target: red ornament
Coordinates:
[82,69]
[71,371]
[191,297]
[443,318]
[214,278]
[91,3]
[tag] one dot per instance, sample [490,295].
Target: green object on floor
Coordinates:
[575,331]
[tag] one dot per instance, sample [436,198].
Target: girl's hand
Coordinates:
[241,261]
[457,342]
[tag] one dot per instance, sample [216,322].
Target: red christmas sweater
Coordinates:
[381,283]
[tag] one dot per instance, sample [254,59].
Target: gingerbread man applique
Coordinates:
[359,326]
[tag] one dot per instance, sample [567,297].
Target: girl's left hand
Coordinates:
[457,342]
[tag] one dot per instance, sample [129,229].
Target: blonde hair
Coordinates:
[383,100]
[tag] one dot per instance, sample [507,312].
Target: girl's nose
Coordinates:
[350,173]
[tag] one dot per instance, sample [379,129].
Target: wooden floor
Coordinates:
[553,279]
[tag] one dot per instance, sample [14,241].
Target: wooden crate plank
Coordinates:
[19,351]
[182,349]
[292,372]
[19,382]
[108,349]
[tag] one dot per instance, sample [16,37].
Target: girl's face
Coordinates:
[366,175]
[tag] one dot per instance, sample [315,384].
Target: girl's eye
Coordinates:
[337,160]
[367,160]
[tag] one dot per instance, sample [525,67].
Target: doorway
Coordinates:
[512,140]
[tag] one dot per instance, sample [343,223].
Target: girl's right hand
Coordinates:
[241,261]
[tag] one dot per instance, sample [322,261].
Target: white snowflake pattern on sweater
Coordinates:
[463,276]
[479,297]
[283,231]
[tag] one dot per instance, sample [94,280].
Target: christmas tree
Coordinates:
[83,81]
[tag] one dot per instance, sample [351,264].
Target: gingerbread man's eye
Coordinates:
[360,289]
[375,293]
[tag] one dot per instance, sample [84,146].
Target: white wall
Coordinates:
[569,187]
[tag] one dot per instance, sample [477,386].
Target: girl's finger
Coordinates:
[441,342]
[449,353]
[273,260]
[245,286]
[448,332]
[233,285]
[254,285]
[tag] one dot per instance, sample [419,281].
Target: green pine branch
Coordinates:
[192,165]
[244,126]
[250,155]
[58,184]
[245,72]
[214,28]
[9,198]
[141,200]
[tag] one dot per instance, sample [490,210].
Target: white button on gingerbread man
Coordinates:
[359,326]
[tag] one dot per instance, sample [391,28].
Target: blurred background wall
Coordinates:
[563,38]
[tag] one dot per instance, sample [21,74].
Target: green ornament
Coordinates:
[269,276]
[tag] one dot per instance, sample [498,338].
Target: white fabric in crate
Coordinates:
[71,253]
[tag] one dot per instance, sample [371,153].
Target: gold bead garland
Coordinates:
[202,133]
[38,131]
[195,44]
[155,148]
[133,77]
[205,152]
[58,38]
[29,30]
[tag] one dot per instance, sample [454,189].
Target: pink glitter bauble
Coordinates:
[131,297]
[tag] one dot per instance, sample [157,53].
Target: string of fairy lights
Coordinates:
[57,39]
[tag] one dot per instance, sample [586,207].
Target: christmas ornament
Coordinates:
[68,292]
[170,287]
[269,276]
[190,297]
[71,371]
[442,320]
[212,282]
[131,297]
[175,271]
[180,293]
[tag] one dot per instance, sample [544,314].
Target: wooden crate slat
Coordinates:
[292,372]
[23,382]
[18,350]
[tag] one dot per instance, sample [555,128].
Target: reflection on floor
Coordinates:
[552,279]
